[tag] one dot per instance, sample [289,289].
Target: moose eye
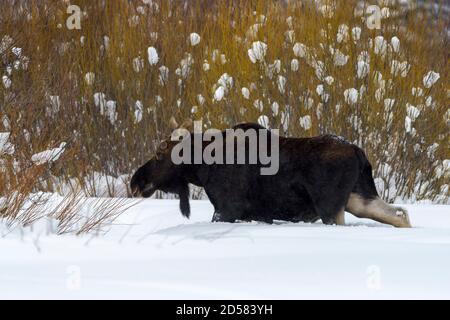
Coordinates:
[163,145]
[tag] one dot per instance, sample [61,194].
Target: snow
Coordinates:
[5,145]
[339,58]
[351,95]
[258,104]
[141,10]
[395,43]
[432,149]
[6,81]
[215,55]
[54,107]
[262,19]
[329,80]
[17,51]
[257,52]
[110,111]
[290,36]
[281,83]
[226,81]
[380,45]
[379,93]
[50,155]
[206,66]
[342,34]
[6,42]
[290,22]
[275,67]
[223,58]
[363,69]
[89,78]
[252,32]
[285,119]
[106,41]
[388,104]
[153,57]
[139,107]
[294,65]
[194,39]
[430,79]
[356,33]
[385,13]
[305,122]
[100,101]
[417,92]
[408,124]
[185,66]
[163,75]
[412,111]
[400,67]
[275,107]
[264,121]
[245,93]
[200,99]
[300,50]
[219,93]
[327,10]
[154,36]
[152,252]
[319,89]
[6,123]
[138,64]
[309,103]
[319,67]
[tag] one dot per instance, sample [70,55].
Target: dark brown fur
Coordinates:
[315,179]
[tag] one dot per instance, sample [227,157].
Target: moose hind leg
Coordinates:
[378,210]
[330,210]
[340,218]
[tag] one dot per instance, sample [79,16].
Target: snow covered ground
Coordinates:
[152,252]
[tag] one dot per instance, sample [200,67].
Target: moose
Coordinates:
[318,178]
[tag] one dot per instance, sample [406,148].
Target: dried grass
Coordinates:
[59,62]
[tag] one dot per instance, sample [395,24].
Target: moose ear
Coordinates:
[173,123]
[187,124]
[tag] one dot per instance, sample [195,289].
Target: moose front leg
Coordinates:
[227,212]
[219,217]
[224,210]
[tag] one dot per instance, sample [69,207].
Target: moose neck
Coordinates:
[196,171]
[194,174]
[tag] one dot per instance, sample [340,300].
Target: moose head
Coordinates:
[160,173]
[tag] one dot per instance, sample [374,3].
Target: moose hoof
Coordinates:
[217,217]
[402,214]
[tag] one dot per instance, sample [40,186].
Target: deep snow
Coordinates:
[153,252]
